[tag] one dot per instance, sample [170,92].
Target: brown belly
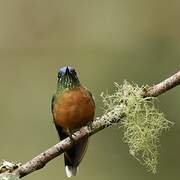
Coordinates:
[73,109]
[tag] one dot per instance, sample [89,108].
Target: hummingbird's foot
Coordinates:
[70,134]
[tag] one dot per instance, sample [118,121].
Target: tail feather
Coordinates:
[73,157]
[71,171]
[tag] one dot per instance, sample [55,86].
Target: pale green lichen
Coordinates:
[142,123]
[8,176]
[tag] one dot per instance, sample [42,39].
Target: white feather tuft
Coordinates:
[71,171]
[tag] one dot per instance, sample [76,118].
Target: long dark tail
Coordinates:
[74,155]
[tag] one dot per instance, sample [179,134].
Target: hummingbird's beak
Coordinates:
[67,70]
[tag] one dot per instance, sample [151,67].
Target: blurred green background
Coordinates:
[105,41]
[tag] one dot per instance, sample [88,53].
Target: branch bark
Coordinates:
[42,159]
[163,86]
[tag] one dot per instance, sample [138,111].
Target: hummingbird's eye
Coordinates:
[73,71]
[59,75]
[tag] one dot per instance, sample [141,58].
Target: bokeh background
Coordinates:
[106,41]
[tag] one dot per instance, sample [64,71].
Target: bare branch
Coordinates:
[42,159]
[163,86]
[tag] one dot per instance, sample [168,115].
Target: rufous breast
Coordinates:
[74,108]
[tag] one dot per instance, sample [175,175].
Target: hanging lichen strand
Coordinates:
[142,124]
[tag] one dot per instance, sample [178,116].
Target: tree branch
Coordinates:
[42,159]
[163,86]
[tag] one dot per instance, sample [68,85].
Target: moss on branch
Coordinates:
[142,123]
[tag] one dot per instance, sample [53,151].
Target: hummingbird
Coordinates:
[73,107]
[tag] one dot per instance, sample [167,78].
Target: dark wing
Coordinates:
[92,98]
[53,102]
